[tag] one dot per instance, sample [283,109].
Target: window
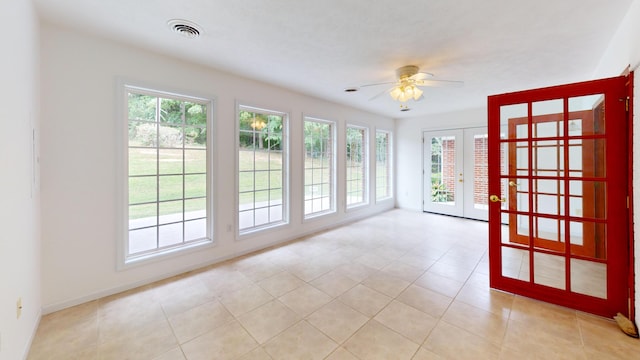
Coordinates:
[383,164]
[319,167]
[262,161]
[167,172]
[356,165]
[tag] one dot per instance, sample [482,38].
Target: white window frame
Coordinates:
[365,168]
[389,165]
[126,260]
[241,233]
[332,148]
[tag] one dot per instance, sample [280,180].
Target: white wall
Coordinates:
[79,206]
[19,194]
[409,150]
[623,51]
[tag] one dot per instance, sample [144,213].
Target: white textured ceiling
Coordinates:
[320,47]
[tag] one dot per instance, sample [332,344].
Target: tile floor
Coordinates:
[401,285]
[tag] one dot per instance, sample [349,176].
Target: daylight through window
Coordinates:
[356,165]
[261,168]
[319,167]
[383,165]
[168,172]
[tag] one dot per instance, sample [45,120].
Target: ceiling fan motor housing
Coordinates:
[406,71]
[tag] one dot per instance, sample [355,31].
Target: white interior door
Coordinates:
[455,172]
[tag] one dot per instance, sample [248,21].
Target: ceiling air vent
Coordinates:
[185,28]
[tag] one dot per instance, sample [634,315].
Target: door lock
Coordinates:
[496,198]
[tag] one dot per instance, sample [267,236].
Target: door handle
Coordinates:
[513,183]
[496,198]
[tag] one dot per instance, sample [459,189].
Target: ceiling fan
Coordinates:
[408,83]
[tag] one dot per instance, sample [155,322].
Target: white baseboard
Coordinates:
[34,330]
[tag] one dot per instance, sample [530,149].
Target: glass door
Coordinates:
[443,172]
[558,221]
[456,177]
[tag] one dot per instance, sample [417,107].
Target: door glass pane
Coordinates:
[548,155]
[515,117]
[589,278]
[480,171]
[549,234]
[586,115]
[517,156]
[549,270]
[587,157]
[548,107]
[443,177]
[588,239]
[515,263]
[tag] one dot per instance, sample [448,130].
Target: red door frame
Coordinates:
[618,188]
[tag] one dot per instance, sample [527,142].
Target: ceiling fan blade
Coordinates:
[440,83]
[377,84]
[381,93]
[421,76]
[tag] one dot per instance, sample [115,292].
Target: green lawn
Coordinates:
[260,171]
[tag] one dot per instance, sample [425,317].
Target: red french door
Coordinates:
[558,184]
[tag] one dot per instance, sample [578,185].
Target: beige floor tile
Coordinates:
[451,271]
[425,300]
[309,270]
[351,268]
[455,343]
[365,300]
[355,271]
[407,321]
[301,341]
[403,271]
[526,337]
[438,283]
[256,354]
[602,337]
[181,293]
[424,354]
[375,341]
[337,320]
[75,327]
[260,270]
[494,301]
[146,342]
[386,284]
[199,320]
[551,320]
[222,280]
[228,342]
[128,312]
[530,352]
[173,354]
[245,300]
[57,352]
[333,283]
[341,354]
[373,261]
[479,280]
[282,257]
[268,320]
[485,324]
[305,299]
[280,283]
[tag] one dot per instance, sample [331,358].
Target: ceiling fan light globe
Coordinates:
[417,93]
[395,93]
